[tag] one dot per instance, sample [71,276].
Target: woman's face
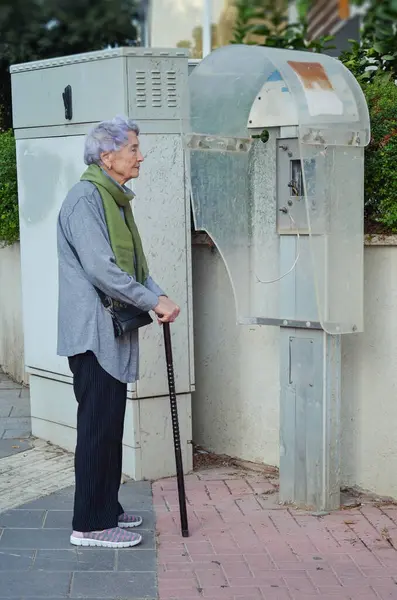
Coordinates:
[124,164]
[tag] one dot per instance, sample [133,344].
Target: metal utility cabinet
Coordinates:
[55,103]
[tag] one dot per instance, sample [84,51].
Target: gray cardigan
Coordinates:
[83,323]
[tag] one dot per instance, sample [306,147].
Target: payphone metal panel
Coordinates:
[290,189]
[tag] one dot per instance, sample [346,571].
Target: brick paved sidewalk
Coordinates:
[244,546]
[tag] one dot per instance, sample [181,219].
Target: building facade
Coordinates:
[332,17]
[179,23]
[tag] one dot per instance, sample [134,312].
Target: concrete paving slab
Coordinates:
[8,384]
[144,560]
[40,584]
[9,447]
[16,561]
[5,410]
[21,410]
[16,423]
[81,559]
[16,434]
[131,585]
[22,519]
[14,393]
[36,557]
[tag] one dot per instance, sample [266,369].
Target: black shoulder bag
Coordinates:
[126,317]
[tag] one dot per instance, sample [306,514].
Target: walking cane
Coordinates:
[175,430]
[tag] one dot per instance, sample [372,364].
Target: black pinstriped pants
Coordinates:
[98,459]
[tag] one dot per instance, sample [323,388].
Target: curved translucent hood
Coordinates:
[235,93]
[224,86]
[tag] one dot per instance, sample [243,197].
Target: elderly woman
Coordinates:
[100,257]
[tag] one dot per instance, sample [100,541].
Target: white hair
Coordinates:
[108,136]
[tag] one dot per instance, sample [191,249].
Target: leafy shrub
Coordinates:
[9,223]
[365,60]
[381,154]
[377,49]
[266,23]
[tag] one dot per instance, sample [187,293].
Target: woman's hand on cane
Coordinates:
[166,310]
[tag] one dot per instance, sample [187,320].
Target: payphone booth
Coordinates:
[275,146]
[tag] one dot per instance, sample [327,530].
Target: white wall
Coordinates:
[236,405]
[11,328]
[369,381]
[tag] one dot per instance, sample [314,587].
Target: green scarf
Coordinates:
[123,233]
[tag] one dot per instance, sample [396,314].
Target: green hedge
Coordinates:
[381,155]
[9,223]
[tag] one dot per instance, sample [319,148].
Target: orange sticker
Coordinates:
[312,74]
